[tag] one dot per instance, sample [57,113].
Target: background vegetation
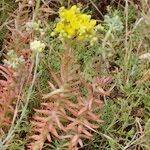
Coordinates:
[126,111]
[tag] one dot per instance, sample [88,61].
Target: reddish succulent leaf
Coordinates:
[75,119]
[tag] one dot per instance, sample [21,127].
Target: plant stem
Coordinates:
[126,38]
[106,38]
[36,9]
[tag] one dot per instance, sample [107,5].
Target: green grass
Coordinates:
[6,6]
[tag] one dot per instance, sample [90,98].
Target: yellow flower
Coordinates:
[59,27]
[74,24]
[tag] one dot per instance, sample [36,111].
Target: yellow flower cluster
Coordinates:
[74,24]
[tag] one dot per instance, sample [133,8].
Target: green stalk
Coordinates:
[106,37]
